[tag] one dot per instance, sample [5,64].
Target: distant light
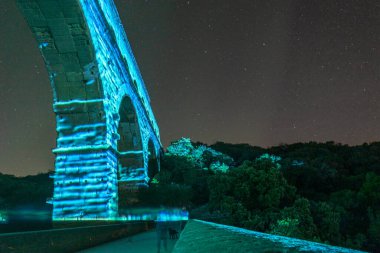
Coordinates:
[43,45]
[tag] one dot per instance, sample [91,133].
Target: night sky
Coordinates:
[239,71]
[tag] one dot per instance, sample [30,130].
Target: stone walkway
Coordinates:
[141,243]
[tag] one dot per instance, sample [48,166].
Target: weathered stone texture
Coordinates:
[94,78]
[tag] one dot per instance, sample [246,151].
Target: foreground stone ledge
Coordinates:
[200,236]
[68,239]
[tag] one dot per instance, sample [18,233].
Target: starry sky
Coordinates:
[238,71]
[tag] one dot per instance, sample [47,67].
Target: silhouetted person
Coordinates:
[162,230]
[184,218]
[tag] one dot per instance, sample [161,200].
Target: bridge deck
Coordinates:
[142,243]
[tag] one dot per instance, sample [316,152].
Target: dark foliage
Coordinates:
[325,192]
[239,152]
[23,191]
[23,202]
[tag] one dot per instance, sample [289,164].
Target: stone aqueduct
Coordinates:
[107,133]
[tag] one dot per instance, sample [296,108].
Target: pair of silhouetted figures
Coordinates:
[163,230]
[169,223]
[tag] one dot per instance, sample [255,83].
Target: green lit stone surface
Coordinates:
[105,125]
[200,236]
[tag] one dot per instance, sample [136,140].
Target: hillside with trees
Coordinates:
[324,192]
[23,202]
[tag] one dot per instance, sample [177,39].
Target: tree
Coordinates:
[200,155]
[369,192]
[286,227]
[327,220]
[297,221]
[250,195]
[171,195]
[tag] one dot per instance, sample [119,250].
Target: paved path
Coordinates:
[141,243]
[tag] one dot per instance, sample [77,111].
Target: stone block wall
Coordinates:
[68,240]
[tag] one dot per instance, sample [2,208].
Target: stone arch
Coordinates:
[97,89]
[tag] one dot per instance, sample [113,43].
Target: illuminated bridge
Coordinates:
[107,137]
[107,133]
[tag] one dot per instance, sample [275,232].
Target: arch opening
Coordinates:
[153,161]
[131,171]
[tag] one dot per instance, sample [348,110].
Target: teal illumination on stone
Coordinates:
[106,129]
